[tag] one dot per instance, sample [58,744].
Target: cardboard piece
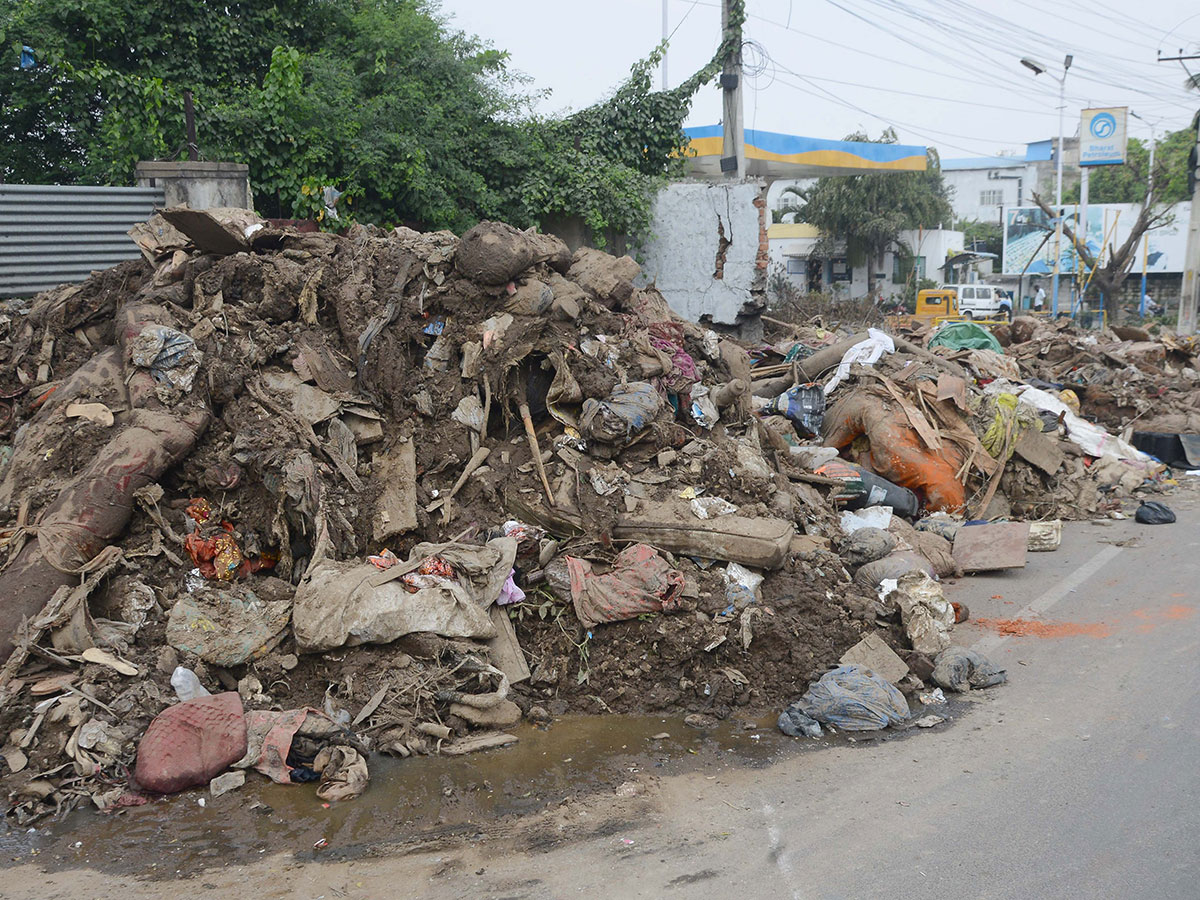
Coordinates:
[220,230]
[877,656]
[951,387]
[504,649]
[1040,451]
[986,548]
[396,511]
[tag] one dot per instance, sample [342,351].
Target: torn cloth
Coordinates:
[641,581]
[865,353]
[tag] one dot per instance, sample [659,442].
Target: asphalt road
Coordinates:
[1076,779]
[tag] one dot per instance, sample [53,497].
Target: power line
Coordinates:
[1018,32]
[965,79]
[920,130]
[1006,30]
[933,97]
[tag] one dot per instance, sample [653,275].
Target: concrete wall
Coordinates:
[708,251]
[200,185]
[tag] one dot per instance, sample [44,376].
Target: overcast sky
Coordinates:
[942,72]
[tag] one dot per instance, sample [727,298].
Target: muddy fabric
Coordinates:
[618,419]
[896,450]
[190,743]
[343,771]
[924,610]
[960,669]
[228,625]
[94,507]
[495,253]
[346,604]
[867,545]
[606,279]
[894,565]
[270,734]
[641,581]
[937,550]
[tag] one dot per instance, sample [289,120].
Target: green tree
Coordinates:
[868,212]
[986,237]
[419,123]
[1129,183]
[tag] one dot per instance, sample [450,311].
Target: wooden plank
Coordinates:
[505,649]
[986,548]
[396,511]
[915,417]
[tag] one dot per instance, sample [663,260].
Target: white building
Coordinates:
[983,186]
[791,248]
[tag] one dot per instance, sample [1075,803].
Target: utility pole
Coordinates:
[1149,198]
[733,148]
[1037,68]
[666,34]
[1189,295]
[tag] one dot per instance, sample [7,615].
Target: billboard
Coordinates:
[1029,237]
[1102,136]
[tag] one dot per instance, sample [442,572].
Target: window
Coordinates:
[902,267]
[991,198]
[796,266]
[969,293]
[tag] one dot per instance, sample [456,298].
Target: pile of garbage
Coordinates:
[281,501]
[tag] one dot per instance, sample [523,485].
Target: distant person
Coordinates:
[1039,299]
[1151,308]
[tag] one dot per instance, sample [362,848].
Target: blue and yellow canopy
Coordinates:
[773,155]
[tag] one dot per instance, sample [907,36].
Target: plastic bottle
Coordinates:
[187,685]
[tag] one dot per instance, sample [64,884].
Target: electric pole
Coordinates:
[733,149]
[665,23]
[1189,294]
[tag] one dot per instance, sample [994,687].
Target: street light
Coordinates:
[1149,197]
[1037,68]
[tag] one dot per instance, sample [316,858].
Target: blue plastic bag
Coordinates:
[852,698]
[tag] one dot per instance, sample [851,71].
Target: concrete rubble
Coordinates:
[393,492]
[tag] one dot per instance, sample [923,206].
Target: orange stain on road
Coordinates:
[1034,628]
[1148,619]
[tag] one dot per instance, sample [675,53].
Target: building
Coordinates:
[983,186]
[792,250]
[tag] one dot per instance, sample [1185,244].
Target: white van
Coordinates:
[981,301]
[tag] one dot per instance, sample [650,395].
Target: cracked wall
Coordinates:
[708,251]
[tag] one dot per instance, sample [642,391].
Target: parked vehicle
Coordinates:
[980,301]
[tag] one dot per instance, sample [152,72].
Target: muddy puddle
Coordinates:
[418,803]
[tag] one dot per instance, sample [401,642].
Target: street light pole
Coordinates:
[1037,69]
[1149,197]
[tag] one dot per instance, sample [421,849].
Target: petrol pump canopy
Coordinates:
[773,155]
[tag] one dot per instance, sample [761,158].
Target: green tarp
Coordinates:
[965,336]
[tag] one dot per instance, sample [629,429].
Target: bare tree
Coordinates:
[1109,277]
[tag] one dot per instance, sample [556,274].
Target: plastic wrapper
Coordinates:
[804,405]
[852,698]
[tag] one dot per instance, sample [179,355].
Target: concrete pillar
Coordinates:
[200,185]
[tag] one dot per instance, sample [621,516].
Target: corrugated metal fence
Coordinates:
[51,234]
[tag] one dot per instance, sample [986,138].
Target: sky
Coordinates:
[943,73]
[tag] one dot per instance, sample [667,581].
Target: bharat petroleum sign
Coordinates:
[1102,136]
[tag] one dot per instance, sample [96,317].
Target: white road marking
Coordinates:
[779,851]
[1053,595]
